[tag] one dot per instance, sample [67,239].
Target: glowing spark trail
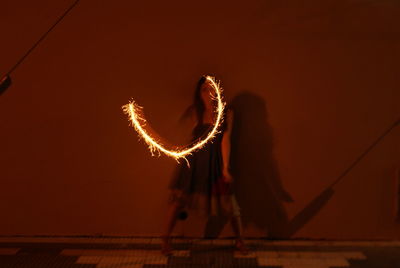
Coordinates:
[138,122]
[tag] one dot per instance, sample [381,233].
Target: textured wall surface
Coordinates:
[313,85]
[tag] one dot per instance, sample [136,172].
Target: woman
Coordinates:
[206,185]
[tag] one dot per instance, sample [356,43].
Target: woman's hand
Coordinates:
[227,176]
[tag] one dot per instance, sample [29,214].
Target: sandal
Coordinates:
[166,248]
[244,250]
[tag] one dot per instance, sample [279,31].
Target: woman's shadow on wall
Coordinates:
[258,186]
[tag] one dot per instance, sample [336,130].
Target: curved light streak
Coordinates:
[133,110]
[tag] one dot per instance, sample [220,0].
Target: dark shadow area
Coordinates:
[306,214]
[258,186]
[5,83]
[214,226]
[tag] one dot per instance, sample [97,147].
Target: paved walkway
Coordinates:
[197,253]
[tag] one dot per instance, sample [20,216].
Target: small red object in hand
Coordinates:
[221,187]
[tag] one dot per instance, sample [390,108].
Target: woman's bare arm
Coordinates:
[226,145]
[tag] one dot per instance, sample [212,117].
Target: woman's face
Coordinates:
[206,93]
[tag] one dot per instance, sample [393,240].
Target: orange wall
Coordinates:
[313,86]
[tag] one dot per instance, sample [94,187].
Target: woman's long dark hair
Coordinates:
[197,106]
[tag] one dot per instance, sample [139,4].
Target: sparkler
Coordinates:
[138,121]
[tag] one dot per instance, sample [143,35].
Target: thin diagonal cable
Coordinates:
[42,37]
[396,123]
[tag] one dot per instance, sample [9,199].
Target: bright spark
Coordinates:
[134,112]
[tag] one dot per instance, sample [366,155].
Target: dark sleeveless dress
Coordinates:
[199,188]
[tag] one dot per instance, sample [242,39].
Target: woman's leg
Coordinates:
[171,218]
[237,226]
[169,226]
[237,229]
